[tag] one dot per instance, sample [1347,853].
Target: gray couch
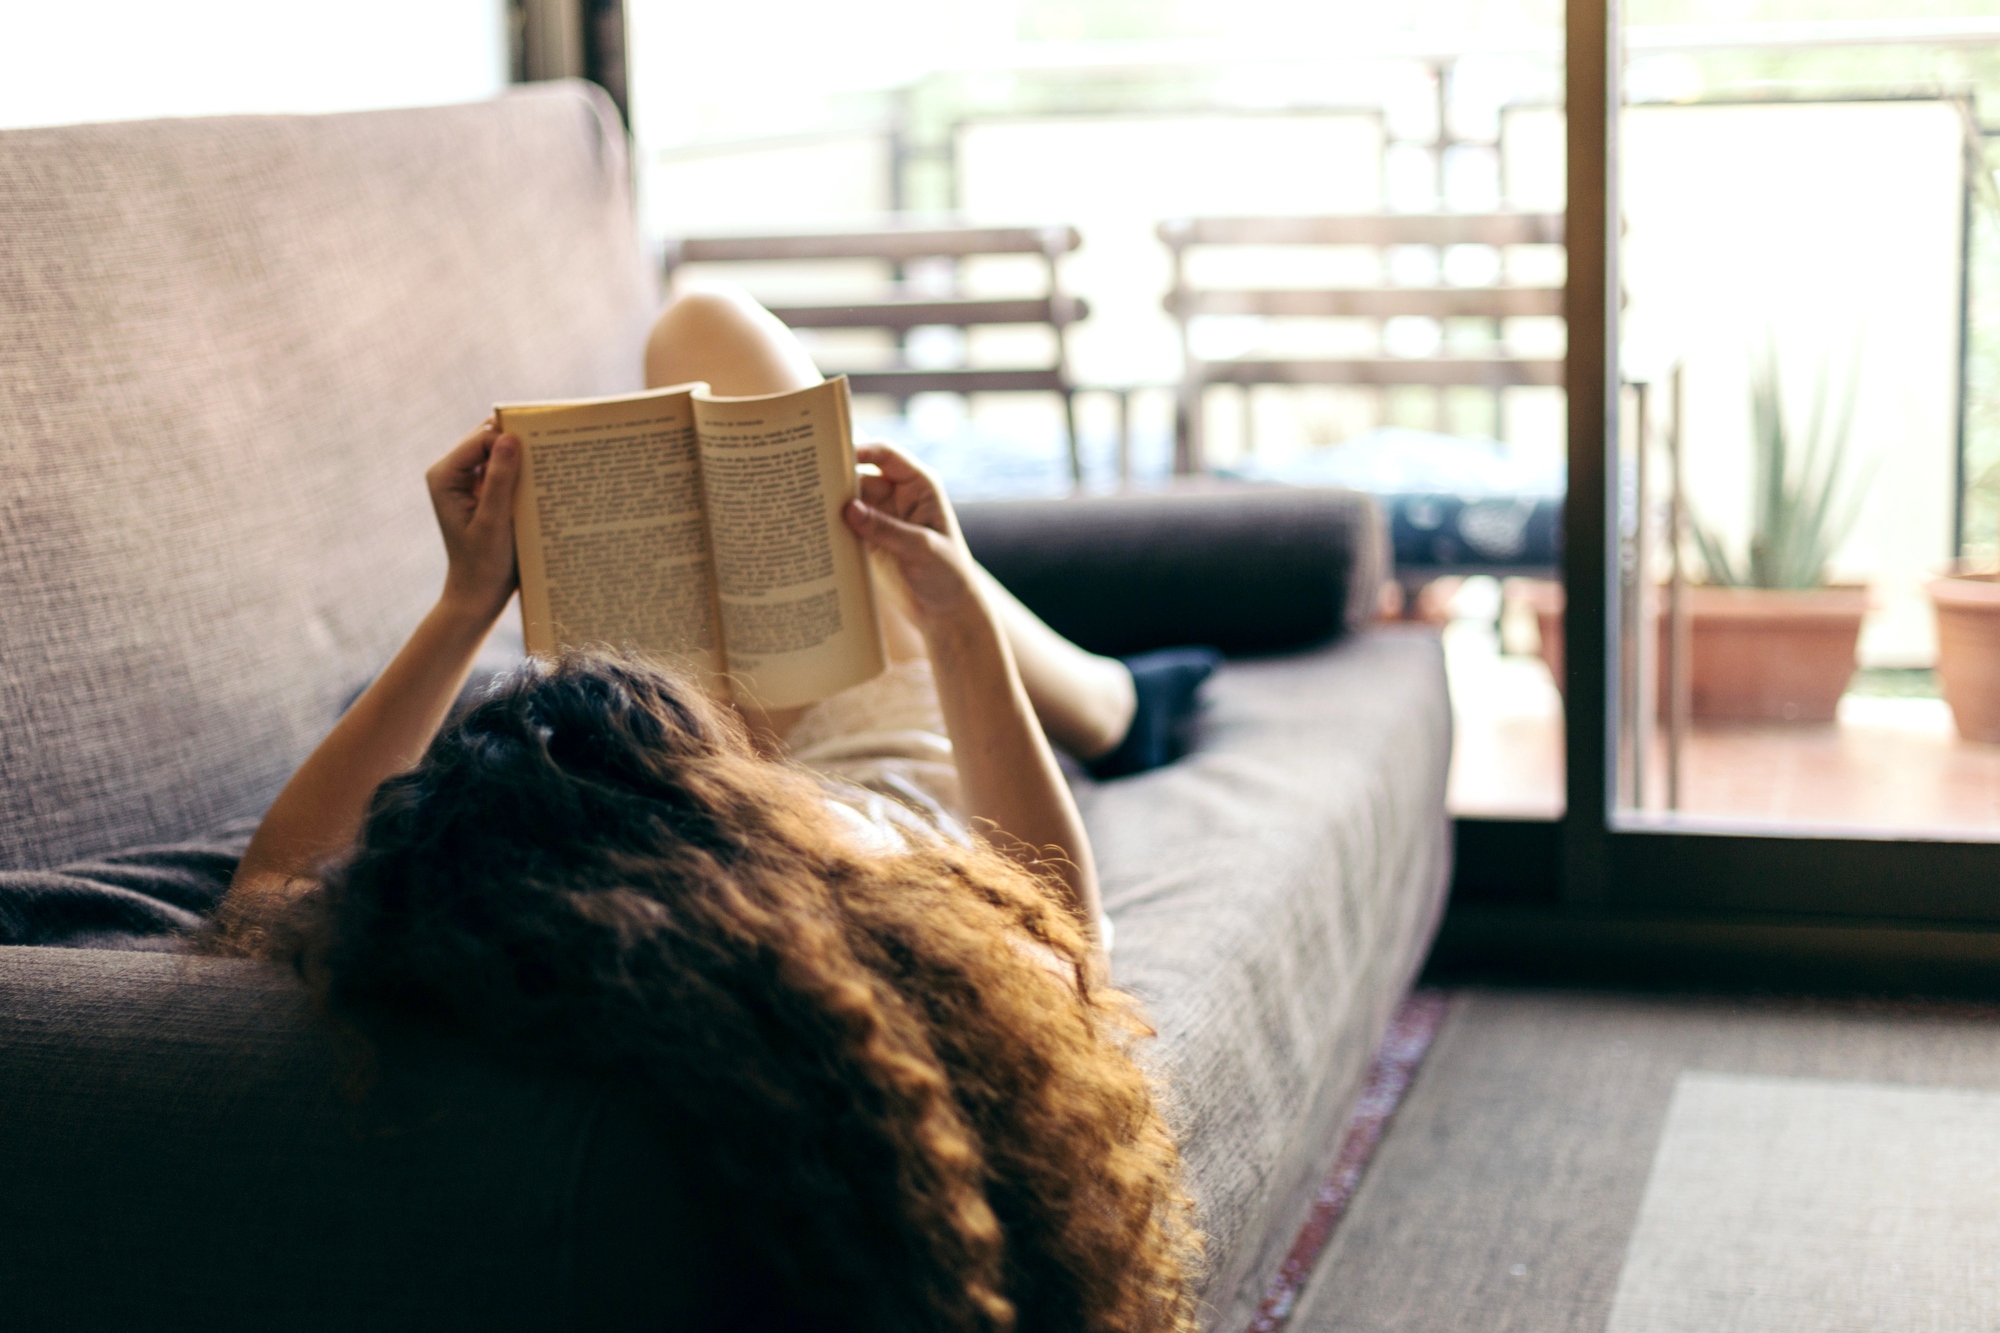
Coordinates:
[228,348]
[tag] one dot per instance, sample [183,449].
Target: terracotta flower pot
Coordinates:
[1770,654]
[1968,622]
[1756,654]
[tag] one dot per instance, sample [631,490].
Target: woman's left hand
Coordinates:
[904,514]
[472,493]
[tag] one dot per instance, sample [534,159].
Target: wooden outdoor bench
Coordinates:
[896,306]
[1500,369]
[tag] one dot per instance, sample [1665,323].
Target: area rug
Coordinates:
[1592,1163]
[1777,1205]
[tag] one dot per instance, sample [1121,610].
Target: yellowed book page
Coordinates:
[798,608]
[609,530]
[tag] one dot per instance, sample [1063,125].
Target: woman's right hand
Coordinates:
[472,493]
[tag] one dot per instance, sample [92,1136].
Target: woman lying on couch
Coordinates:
[883,1051]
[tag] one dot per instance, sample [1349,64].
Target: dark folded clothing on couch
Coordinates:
[150,898]
[147,898]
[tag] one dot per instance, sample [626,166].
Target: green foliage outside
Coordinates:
[1802,503]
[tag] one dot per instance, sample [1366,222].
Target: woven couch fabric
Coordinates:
[231,348]
[1243,568]
[1274,893]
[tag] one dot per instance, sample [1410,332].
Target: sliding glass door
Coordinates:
[1782,620]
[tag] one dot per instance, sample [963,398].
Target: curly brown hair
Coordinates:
[906,1085]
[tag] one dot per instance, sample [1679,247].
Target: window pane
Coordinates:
[1804,340]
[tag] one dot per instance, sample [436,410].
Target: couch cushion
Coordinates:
[232,346]
[1274,894]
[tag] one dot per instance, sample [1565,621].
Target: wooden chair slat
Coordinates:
[902,383]
[889,243]
[909,312]
[1492,372]
[1509,228]
[1370,302]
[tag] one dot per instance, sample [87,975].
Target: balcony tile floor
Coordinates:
[1892,765]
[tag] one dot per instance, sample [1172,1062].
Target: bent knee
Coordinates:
[718,332]
[703,315]
[713,305]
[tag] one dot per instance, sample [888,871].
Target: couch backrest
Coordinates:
[228,349]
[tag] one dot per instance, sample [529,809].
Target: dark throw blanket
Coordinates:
[148,898]
[151,898]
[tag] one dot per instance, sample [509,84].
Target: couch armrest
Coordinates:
[183,1151]
[1245,569]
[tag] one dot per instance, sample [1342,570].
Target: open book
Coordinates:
[701,531]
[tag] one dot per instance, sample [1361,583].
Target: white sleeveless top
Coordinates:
[880,750]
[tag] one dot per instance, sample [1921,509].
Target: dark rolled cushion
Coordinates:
[1244,569]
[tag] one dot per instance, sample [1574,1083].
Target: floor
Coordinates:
[1644,1164]
[1886,764]
[1507,729]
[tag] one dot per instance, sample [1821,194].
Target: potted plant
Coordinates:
[1771,639]
[1968,624]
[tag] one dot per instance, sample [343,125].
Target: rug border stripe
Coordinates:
[1407,1040]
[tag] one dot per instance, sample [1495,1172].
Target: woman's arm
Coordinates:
[320,810]
[1008,772]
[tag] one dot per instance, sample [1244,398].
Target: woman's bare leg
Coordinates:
[722,335]
[1084,702]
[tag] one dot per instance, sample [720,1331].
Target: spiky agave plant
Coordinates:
[1799,514]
